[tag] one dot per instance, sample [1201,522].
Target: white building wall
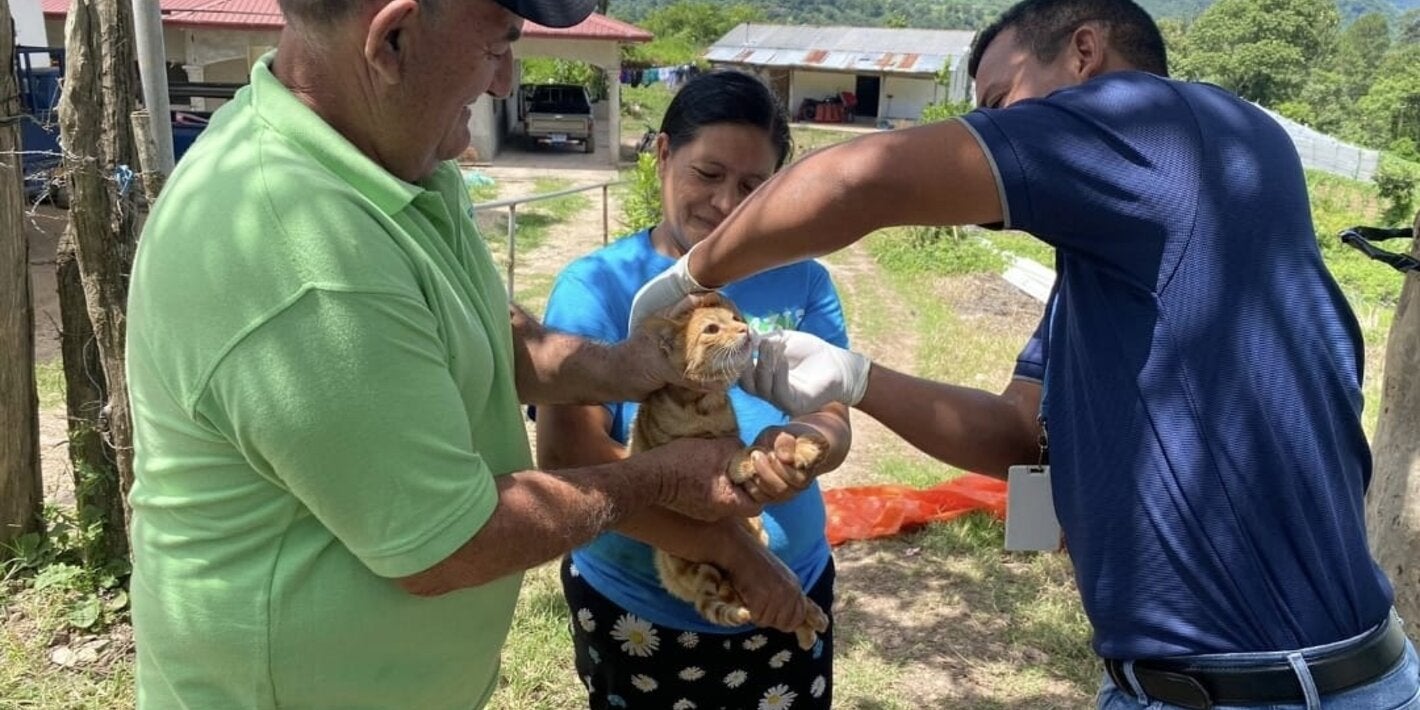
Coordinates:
[909,96]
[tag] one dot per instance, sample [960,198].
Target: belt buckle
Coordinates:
[1176,689]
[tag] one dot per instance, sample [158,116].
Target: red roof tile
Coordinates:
[266,15]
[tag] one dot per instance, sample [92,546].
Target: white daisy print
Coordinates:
[727,645]
[780,659]
[683,704]
[735,679]
[692,673]
[689,639]
[584,617]
[587,681]
[755,642]
[646,684]
[778,698]
[636,635]
[572,570]
[819,685]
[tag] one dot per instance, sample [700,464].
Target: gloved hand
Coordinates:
[801,373]
[664,291]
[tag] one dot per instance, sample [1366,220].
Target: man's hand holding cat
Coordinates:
[692,479]
[767,587]
[779,475]
[800,373]
[643,355]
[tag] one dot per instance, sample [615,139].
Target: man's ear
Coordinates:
[385,39]
[1087,50]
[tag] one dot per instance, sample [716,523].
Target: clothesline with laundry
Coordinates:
[672,77]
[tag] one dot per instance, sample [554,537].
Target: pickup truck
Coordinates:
[558,114]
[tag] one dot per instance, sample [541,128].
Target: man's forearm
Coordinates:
[542,515]
[934,174]
[971,429]
[558,368]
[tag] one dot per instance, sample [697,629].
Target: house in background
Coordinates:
[216,42]
[891,73]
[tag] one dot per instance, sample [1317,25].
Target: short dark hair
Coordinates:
[727,96]
[1042,26]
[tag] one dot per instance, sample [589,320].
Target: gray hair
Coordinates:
[329,12]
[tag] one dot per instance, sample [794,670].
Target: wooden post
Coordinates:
[21,485]
[512,245]
[95,111]
[151,162]
[606,216]
[1393,501]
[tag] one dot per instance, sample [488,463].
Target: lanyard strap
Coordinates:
[1362,239]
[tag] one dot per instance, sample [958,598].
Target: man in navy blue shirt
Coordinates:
[1198,371]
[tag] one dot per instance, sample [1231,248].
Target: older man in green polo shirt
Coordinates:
[335,497]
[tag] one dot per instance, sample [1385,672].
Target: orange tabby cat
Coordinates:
[712,345]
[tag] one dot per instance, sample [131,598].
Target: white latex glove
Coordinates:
[664,291]
[801,373]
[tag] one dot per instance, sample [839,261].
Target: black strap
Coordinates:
[1362,237]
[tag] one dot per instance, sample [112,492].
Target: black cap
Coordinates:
[551,13]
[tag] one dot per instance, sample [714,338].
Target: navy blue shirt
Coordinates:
[1202,370]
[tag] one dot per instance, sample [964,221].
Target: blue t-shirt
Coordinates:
[592,298]
[1202,370]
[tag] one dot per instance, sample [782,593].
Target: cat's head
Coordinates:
[710,343]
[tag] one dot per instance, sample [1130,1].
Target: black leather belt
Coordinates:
[1178,683]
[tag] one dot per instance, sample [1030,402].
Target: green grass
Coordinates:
[49,380]
[908,252]
[1023,245]
[643,107]
[808,140]
[28,679]
[534,219]
[537,661]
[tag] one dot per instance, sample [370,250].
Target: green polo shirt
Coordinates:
[321,371]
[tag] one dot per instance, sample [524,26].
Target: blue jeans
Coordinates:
[1397,689]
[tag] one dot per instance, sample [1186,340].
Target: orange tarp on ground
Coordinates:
[866,512]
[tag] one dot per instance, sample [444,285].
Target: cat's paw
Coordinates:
[809,452]
[742,467]
[814,624]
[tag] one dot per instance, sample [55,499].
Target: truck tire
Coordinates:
[589,146]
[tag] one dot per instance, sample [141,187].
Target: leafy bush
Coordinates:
[546,70]
[943,110]
[1395,183]
[641,206]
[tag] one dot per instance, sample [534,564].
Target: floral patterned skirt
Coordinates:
[627,662]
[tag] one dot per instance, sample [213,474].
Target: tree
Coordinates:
[21,485]
[1389,113]
[1261,49]
[1175,32]
[95,112]
[699,22]
[1408,27]
[1359,52]
[1393,502]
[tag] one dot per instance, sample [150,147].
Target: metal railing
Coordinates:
[512,206]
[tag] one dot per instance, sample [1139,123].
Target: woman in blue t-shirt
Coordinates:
[637,646]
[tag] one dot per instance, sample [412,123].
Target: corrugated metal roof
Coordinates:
[266,15]
[843,48]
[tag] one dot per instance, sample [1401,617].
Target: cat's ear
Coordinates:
[664,331]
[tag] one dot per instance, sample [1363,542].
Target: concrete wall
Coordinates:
[909,96]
